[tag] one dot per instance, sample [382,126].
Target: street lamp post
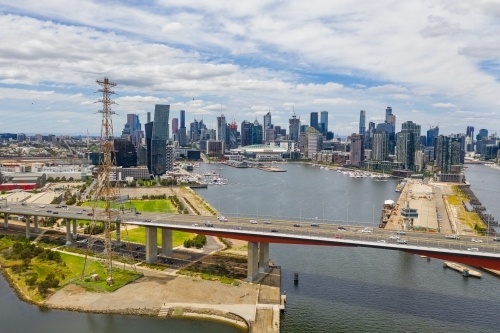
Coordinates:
[373,215]
[348,213]
[300,209]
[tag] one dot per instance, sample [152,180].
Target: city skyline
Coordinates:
[212,60]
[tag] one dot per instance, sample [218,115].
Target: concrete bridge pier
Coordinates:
[5,220]
[151,245]
[28,228]
[118,235]
[35,223]
[68,232]
[263,257]
[75,234]
[253,261]
[166,242]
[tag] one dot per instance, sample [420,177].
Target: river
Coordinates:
[351,289]
[340,289]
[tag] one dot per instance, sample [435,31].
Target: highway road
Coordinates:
[240,226]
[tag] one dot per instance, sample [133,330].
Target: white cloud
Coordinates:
[62,121]
[388,88]
[444,106]
[333,101]
[276,54]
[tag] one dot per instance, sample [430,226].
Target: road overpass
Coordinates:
[264,231]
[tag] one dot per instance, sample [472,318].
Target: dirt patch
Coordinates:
[151,292]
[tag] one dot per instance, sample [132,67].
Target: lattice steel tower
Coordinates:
[105,190]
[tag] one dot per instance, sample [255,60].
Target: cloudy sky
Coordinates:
[434,62]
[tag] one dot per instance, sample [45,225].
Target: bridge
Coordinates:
[260,232]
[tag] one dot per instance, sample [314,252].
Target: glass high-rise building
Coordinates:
[432,135]
[257,133]
[314,121]
[175,126]
[405,145]
[388,112]
[294,128]
[362,122]
[324,122]
[267,124]
[381,146]
[246,133]
[221,128]
[159,138]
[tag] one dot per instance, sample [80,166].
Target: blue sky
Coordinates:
[433,62]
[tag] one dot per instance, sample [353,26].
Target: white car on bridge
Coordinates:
[475,240]
[253,222]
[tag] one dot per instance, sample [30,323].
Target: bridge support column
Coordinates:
[35,223]
[5,220]
[253,262]
[263,257]
[151,244]
[68,232]
[28,228]
[118,235]
[166,242]
[75,233]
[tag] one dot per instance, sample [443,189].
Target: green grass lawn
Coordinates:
[138,235]
[164,206]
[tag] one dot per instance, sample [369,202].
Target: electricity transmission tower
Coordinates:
[105,190]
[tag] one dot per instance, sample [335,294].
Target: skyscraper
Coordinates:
[357,149]
[233,134]
[267,124]
[148,128]
[246,133]
[362,122]
[406,148]
[388,112]
[294,128]
[381,146]
[314,121]
[257,134]
[183,118]
[324,122]
[432,134]
[182,129]
[483,134]
[447,152]
[221,128]
[175,126]
[159,139]
[125,153]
